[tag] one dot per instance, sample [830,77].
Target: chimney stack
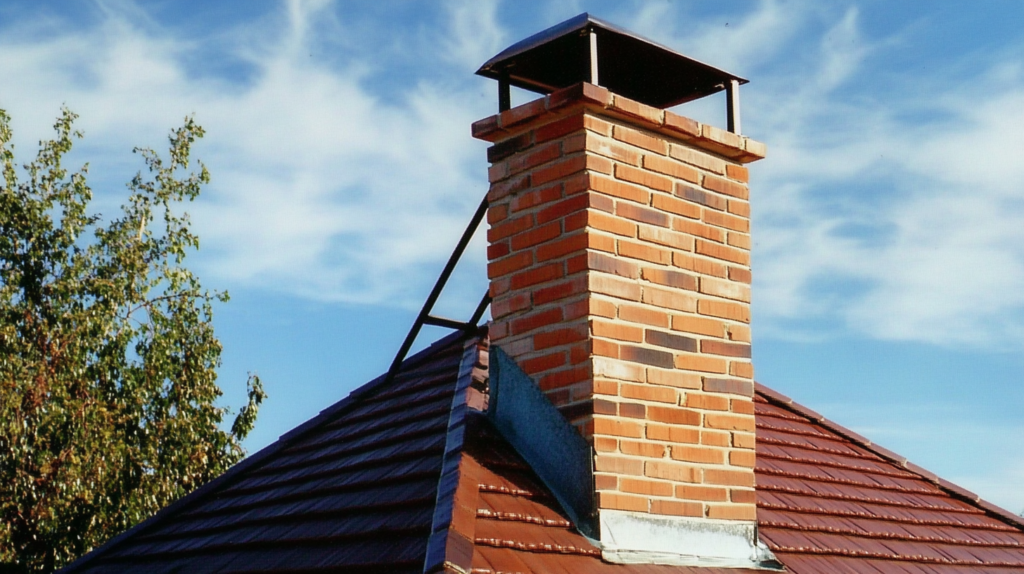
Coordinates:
[619,261]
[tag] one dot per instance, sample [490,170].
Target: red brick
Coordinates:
[643,177]
[745,370]
[690,193]
[563,246]
[639,139]
[647,487]
[729,386]
[614,188]
[725,186]
[703,493]
[714,438]
[697,158]
[633,108]
[633,411]
[612,286]
[604,444]
[724,309]
[536,235]
[610,264]
[612,149]
[564,378]
[673,415]
[646,356]
[676,434]
[699,265]
[739,173]
[669,278]
[729,422]
[649,393]
[672,168]
[698,325]
[742,496]
[727,221]
[536,320]
[682,125]
[743,440]
[562,169]
[740,240]
[676,508]
[496,213]
[559,291]
[509,227]
[581,92]
[558,337]
[673,378]
[596,163]
[725,289]
[713,347]
[522,113]
[536,275]
[739,274]
[701,363]
[617,330]
[742,458]
[602,348]
[644,315]
[729,477]
[673,471]
[741,208]
[615,501]
[611,224]
[509,264]
[642,214]
[676,206]
[732,511]
[535,157]
[535,197]
[574,204]
[497,250]
[505,305]
[559,128]
[618,427]
[707,402]
[669,299]
[698,454]
[699,229]
[648,449]
[541,364]
[644,252]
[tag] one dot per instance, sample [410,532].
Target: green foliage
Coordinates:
[107,354]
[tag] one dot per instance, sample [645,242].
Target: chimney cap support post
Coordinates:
[732,106]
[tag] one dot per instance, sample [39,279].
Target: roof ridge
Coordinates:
[953,490]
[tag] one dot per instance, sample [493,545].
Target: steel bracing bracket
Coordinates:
[424,317]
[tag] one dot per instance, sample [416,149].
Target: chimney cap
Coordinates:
[625,63]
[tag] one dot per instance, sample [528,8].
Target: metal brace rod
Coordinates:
[428,305]
[445,322]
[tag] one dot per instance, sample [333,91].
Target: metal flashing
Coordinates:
[555,451]
[643,538]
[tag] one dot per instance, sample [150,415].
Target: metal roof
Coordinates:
[628,64]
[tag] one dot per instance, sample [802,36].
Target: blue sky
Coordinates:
[888,217]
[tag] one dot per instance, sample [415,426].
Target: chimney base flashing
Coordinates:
[642,538]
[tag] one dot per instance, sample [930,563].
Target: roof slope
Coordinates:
[353,489]
[391,475]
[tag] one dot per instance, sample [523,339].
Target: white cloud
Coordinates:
[320,187]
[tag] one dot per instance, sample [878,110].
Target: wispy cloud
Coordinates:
[896,213]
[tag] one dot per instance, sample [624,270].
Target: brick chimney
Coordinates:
[619,266]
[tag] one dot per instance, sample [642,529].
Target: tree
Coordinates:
[107,354]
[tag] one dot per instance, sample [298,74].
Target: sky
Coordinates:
[888,218]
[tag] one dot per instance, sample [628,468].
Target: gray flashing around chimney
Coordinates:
[555,451]
[642,538]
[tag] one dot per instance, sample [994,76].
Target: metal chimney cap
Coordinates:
[624,63]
